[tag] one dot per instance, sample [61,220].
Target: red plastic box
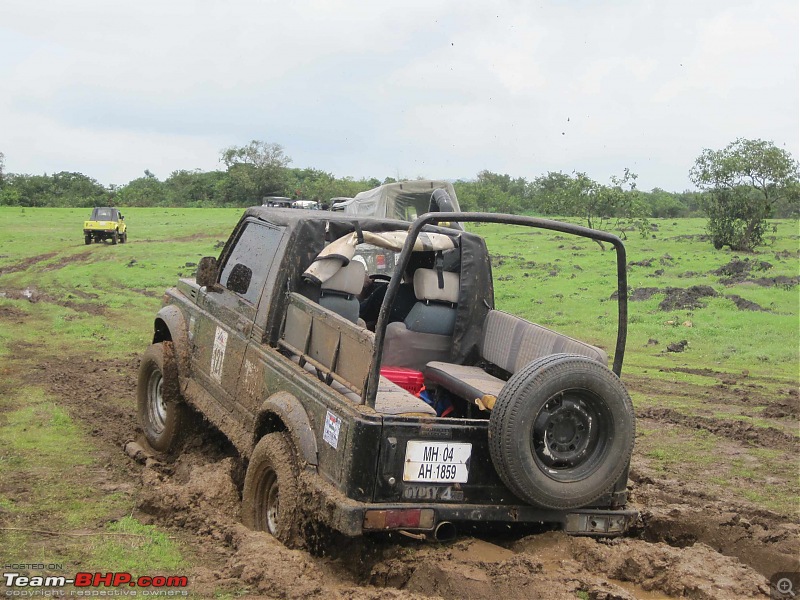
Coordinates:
[408,379]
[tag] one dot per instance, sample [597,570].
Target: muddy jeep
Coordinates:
[516,423]
[106,223]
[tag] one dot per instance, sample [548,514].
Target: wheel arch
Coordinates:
[284,412]
[170,326]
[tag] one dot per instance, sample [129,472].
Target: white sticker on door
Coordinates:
[331,431]
[218,354]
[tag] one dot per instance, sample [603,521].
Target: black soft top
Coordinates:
[104,213]
[292,219]
[307,232]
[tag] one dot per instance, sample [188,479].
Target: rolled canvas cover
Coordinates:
[404,200]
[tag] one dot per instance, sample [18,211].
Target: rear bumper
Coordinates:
[353,518]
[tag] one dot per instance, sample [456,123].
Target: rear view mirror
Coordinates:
[239,279]
[207,271]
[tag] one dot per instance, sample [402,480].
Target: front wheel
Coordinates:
[87,239]
[271,491]
[561,432]
[160,406]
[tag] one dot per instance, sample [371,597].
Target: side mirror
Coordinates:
[239,279]
[207,272]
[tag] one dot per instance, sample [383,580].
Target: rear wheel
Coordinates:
[114,238]
[270,499]
[87,239]
[160,406]
[561,433]
[124,237]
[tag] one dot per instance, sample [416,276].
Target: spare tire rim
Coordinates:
[571,433]
[157,409]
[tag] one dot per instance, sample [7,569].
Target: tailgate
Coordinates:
[446,460]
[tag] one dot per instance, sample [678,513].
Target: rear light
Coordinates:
[414,518]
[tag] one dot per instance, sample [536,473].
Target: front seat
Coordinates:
[338,294]
[426,333]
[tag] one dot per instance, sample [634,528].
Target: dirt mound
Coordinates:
[674,298]
[738,269]
[694,572]
[743,304]
[26,264]
[742,431]
[682,515]
[10,314]
[68,260]
[784,407]
[34,295]
[745,271]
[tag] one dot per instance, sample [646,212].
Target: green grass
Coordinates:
[142,549]
[43,451]
[100,300]
[565,283]
[124,282]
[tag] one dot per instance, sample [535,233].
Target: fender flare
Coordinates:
[175,323]
[290,411]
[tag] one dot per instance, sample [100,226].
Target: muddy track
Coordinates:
[688,544]
[68,300]
[764,437]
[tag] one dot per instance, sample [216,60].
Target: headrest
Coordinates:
[348,280]
[426,286]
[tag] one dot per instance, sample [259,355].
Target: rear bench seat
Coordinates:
[509,343]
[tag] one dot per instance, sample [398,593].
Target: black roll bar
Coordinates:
[371,387]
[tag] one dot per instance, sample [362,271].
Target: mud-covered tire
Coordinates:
[87,239]
[124,237]
[561,432]
[271,494]
[159,403]
[114,238]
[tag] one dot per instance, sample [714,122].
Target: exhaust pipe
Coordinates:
[445,532]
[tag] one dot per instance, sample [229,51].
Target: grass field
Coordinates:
[59,297]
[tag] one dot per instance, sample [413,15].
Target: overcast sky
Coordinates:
[401,89]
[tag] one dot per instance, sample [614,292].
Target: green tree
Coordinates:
[143,191]
[194,188]
[254,171]
[745,180]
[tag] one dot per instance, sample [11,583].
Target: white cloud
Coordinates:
[436,88]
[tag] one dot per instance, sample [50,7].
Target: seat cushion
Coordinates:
[341,305]
[470,383]
[426,286]
[511,343]
[431,318]
[412,349]
[348,279]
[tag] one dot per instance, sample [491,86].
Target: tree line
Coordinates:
[739,187]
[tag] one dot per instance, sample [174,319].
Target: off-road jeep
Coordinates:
[106,223]
[517,424]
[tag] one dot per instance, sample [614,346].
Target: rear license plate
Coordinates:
[437,462]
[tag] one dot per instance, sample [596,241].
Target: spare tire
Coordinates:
[561,432]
